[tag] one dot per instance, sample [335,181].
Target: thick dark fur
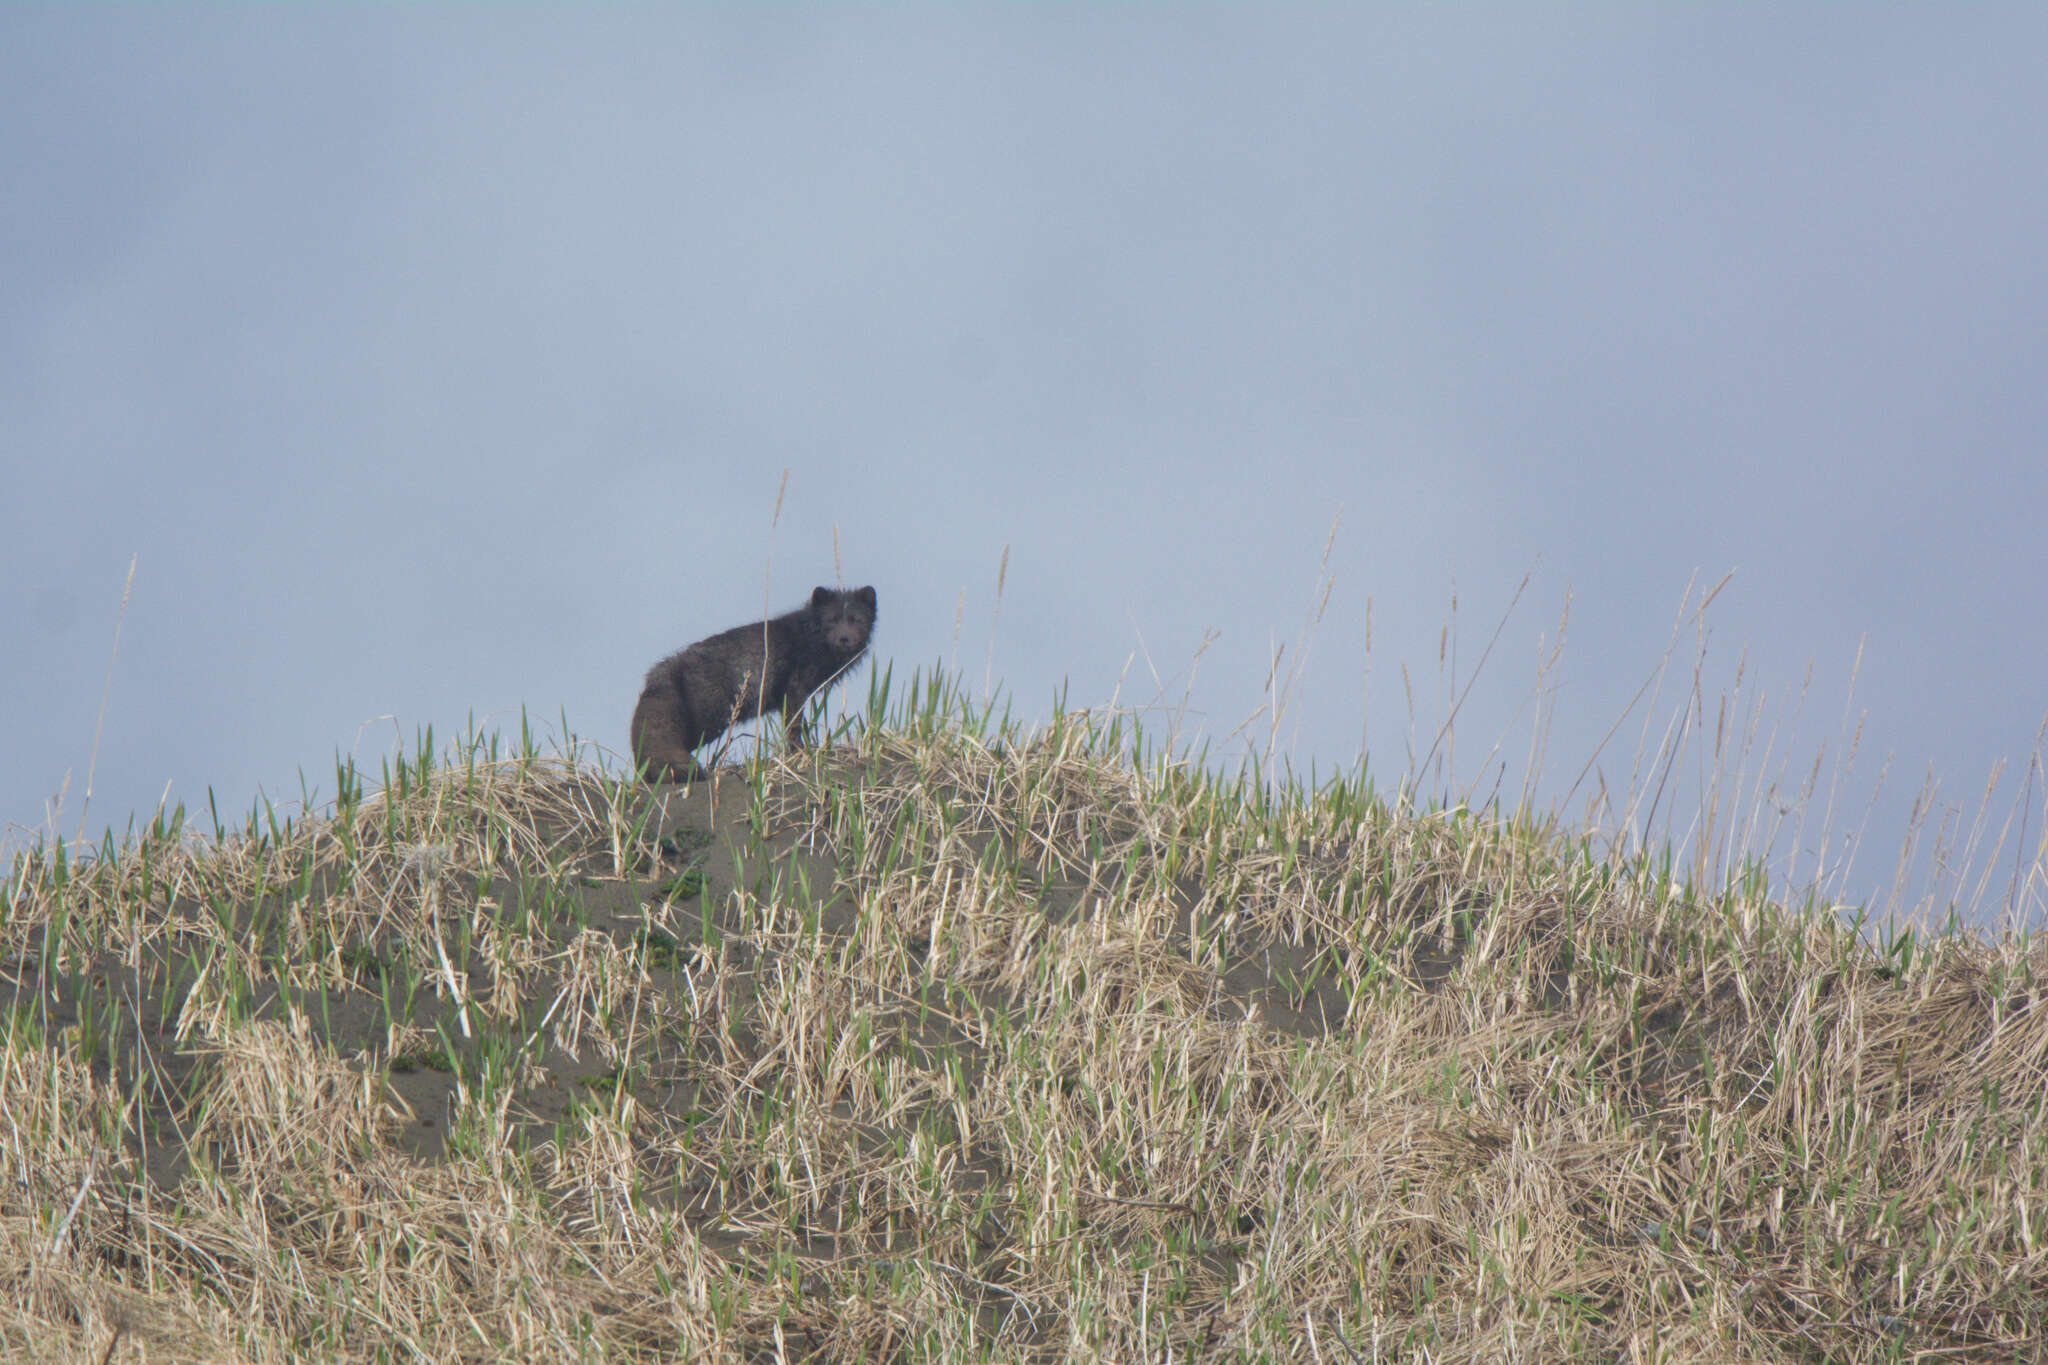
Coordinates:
[698,694]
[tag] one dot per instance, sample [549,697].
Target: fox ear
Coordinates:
[821,596]
[866,597]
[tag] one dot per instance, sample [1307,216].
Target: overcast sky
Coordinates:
[439,361]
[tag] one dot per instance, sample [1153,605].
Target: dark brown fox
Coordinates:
[696,695]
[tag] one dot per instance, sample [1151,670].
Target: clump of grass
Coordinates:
[977,1042]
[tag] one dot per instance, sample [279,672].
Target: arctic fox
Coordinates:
[695,695]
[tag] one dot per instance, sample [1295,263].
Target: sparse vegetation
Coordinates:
[959,1041]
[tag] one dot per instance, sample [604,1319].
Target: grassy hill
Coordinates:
[962,1042]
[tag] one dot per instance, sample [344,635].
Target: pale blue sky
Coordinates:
[443,360]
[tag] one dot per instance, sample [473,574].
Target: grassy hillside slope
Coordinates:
[957,1042]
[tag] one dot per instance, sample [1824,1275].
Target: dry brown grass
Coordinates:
[961,1045]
